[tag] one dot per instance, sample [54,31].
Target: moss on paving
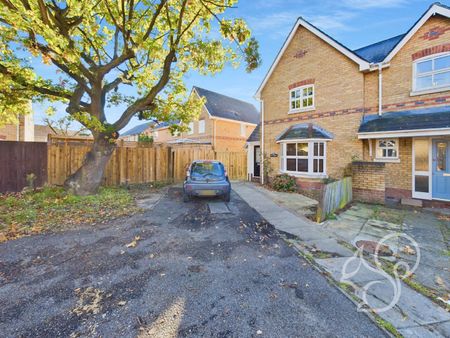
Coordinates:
[53,208]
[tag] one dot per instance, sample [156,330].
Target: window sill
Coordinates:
[387,160]
[304,175]
[296,111]
[429,91]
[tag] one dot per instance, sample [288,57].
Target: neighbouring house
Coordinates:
[380,113]
[159,131]
[224,122]
[23,130]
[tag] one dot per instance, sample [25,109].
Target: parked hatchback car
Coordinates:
[206,178]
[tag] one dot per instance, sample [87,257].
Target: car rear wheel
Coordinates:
[226,197]
[186,197]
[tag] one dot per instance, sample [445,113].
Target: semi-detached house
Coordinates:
[381,112]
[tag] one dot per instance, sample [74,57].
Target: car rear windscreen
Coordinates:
[204,169]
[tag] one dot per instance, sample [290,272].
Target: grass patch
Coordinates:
[387,326]
[54,208]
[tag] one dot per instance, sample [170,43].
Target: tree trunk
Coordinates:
[87,179]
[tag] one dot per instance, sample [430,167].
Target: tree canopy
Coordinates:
[125,53]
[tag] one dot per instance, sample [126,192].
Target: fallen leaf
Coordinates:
[440,281]
[259,332]
[408,250]
[133,243]
[122,303]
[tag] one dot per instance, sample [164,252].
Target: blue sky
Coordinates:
[355,23]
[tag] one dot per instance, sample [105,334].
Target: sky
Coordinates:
[354,23]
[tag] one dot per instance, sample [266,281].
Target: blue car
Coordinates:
[206,178]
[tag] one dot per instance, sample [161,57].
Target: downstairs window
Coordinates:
[304,158]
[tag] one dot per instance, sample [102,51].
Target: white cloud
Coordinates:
[363,4]
[333,21]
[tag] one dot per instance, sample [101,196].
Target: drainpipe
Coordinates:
[380,89]
[262,141]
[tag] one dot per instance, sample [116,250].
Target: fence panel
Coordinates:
[19,159]
[335,196]
[129,163]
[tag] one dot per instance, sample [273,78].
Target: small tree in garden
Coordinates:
[123,54]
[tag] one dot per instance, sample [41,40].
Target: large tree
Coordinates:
[131,54]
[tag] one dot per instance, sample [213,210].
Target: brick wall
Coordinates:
[343,95]
[338,86]
[368,180]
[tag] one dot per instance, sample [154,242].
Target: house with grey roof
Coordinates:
[380,113]
[224,122]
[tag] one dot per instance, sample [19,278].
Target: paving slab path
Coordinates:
[413,315]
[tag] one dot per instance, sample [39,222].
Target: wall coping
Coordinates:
[369,163]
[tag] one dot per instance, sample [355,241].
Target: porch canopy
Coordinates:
[304,131]
[411,123]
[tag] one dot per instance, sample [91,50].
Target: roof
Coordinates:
[365,57]
[304,131]
[255,136]
[187,140]
[429,118]
[226,107]
[377,52]
[138,129]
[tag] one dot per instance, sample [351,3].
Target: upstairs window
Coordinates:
[201,126]
[243,129]
[432,73]
[301,98]
[191,128]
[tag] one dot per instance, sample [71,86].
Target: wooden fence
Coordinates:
[336,195]
[134,163]
[19,159]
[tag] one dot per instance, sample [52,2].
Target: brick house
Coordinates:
[381,112]
[224,122]
[23,130]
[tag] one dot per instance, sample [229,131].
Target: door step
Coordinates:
[412,202]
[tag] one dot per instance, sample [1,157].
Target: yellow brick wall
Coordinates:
[338,85]
[343,94]
[397,78]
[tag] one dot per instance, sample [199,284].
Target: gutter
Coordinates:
[380,89]
[262,141]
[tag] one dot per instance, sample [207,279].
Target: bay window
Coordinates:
[304,157]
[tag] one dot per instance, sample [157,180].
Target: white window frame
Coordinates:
[311,157]
[429,173]
[302,108]
[387,158]
[243,129]
[155,134]
[201,126]
[191,128]
[433,88]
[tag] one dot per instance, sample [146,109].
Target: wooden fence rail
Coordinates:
[133,163]
[336,195]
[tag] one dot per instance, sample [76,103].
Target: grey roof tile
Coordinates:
[305,131]
[429,118]
[377,52]
[227,107]
[255,136]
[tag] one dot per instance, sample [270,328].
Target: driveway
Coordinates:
[176,270]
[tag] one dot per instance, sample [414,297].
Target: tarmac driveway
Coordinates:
[176,270]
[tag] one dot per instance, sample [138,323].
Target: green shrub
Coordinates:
[146,139]
[284,183]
